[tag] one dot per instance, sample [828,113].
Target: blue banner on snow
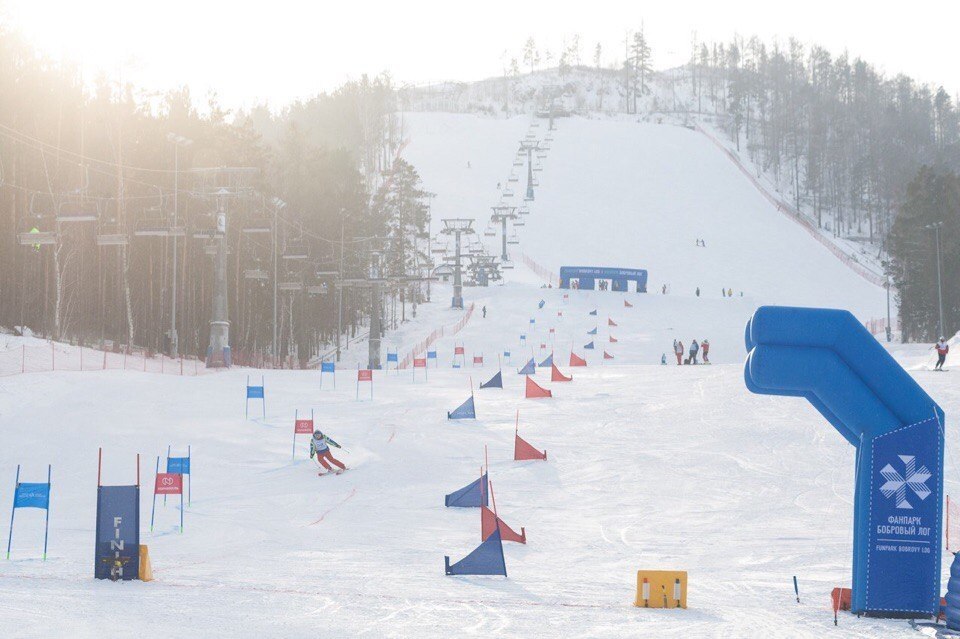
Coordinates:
[178,465]
[32,496]
[118,533]
[470,496]
[904,529]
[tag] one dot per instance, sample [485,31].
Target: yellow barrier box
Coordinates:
[661,589]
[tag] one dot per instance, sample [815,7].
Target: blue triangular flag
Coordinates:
[486,559]
[589,346]
[495,382]
[593,312]
[464,411]
[470,496]
[593,332]
[547,362]
[541,303]
[529,368]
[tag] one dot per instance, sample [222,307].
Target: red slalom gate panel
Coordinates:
[488,524]
[524,451]
[168,484]
[557,376]
[576,360]
[420,362]
[607,355]
[610,322]
[364,375]
[303,427]
[535,391]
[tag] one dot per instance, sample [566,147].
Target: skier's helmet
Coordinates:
[942,338]
[317,434]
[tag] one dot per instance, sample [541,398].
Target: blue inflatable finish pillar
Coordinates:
[827,357]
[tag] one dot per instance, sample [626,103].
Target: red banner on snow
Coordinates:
[535,390]
[364,375]
[303,427]
[168,484]
[523,451]
[488,525]
[576,360]
[557,376]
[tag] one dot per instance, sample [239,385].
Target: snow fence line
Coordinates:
[437,333]
[66,357]
[542,272]
[795,215]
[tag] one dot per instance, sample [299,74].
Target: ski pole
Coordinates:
[796,589]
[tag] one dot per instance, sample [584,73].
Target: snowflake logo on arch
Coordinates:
[897,484]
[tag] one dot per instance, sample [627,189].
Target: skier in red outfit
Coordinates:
[942,349]
[705,349]
[678,351]
[319,447]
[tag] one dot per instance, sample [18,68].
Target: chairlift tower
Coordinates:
[529,146]
[222,184]
[501,214]
[457,226]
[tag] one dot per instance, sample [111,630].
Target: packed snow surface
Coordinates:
[649,466]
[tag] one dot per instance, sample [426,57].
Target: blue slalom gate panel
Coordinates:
[589,346]
[431,354]
[178,465]
[254,392]
[32,495]
[465,410]
[494,382]
[392,357]
[486,559]
[529,368]
[593,332]
[593,312]
[827,357]
[118,533]
[470,496]
[541,303]
[547,363]
[328,367]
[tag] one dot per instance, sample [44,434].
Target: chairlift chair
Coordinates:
[255,274]
[78,211]
[260,225]
[295,251]
[290,286]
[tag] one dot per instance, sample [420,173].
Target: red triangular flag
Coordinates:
[535,391]
[557,376]
[523,451]
[613,340]
[610,322]
[488,525]
[627,304]
[607,355]
[576,360]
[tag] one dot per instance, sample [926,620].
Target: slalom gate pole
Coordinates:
[246,403]
[158,470]
[296,415]
[189,479]
[153,509]
[181,504]
[13,510]
[493,498]
[46,524]
[263,400]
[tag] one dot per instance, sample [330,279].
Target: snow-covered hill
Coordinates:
[650,466]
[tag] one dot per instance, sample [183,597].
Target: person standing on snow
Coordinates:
[320,446]
[705,346]
[698,291]
[694,349]
[942,349]
[678,351]
[484,309]
[663,359]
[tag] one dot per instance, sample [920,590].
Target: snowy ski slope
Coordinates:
[649,466]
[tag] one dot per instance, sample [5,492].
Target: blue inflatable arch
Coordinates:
[827,357]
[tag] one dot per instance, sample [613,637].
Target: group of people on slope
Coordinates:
[695,351]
